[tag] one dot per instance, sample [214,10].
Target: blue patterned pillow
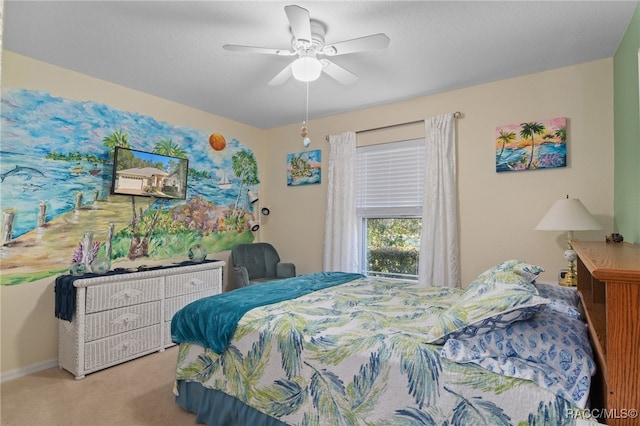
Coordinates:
[564,300]
[492,301]
[558,292]
[526,270]
[550,350]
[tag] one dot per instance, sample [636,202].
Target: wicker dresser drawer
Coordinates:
[121,347]
[124,293]
[191,283]
[171,306]
[107,323]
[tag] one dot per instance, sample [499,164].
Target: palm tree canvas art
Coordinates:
[531,145]
[304,168]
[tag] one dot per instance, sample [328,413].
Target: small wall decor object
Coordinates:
[254,225]
[217,141]
[253,197]
[614,238]
[304,168]
[531,145]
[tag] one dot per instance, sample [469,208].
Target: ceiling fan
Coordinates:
[308,45]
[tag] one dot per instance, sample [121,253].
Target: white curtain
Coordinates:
[439,252]
[340,232]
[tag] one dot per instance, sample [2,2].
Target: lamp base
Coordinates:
[568,281]
[570,278]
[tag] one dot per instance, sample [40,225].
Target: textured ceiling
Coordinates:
[173,49]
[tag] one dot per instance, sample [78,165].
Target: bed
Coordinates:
[344,349]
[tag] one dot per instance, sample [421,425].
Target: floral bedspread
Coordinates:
[355,354]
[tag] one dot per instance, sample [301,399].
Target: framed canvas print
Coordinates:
[303,168]
[531,145]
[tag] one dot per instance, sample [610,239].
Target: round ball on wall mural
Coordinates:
[217,141]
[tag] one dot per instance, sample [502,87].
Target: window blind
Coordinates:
[390,179]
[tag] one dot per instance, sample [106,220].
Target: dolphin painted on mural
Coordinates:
[31,187]
[30,171]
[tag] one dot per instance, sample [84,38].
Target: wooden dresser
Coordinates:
[609,286]
[119,317]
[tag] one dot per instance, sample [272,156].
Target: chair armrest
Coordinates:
[240,276]
[285,270]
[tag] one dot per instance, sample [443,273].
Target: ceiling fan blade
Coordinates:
[252,49]
[300,22]
[337,72]
[282,76]
[372,42]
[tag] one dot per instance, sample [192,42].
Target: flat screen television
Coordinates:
[148,174]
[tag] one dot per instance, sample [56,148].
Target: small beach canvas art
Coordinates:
[531,145]
[304,168]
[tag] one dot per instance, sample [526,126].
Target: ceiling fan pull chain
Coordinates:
[306,141]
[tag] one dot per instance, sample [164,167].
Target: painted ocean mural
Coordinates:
[56,161]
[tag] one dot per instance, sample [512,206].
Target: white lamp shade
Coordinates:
[568,215]
[306,68]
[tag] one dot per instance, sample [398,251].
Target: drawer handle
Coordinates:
[195,282]
[125,345]
[126,294]
[126,319]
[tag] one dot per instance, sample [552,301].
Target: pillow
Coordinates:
[563,300]
[550,350]
[558,292]
[526,270]
[491,302]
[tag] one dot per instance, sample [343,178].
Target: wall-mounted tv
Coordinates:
[148,174]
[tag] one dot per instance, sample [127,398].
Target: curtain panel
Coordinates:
[340,252]
[439,263]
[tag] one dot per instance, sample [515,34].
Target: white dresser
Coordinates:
[124,316]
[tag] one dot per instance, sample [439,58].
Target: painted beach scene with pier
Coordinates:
[56,167]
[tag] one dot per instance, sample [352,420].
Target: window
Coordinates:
[389,190]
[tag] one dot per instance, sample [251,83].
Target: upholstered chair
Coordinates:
[258,262]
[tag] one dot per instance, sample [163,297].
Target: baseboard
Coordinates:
[21,372]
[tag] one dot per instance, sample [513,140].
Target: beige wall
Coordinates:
[497,211]
[28,326]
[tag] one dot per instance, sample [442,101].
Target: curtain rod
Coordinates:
[456,114]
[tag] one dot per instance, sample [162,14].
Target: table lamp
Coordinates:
[569,215]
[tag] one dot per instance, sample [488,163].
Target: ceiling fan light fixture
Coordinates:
[306,68]
[307,42]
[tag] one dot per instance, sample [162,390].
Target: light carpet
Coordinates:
[135,393]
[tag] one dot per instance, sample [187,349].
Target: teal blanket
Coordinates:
[211,321]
